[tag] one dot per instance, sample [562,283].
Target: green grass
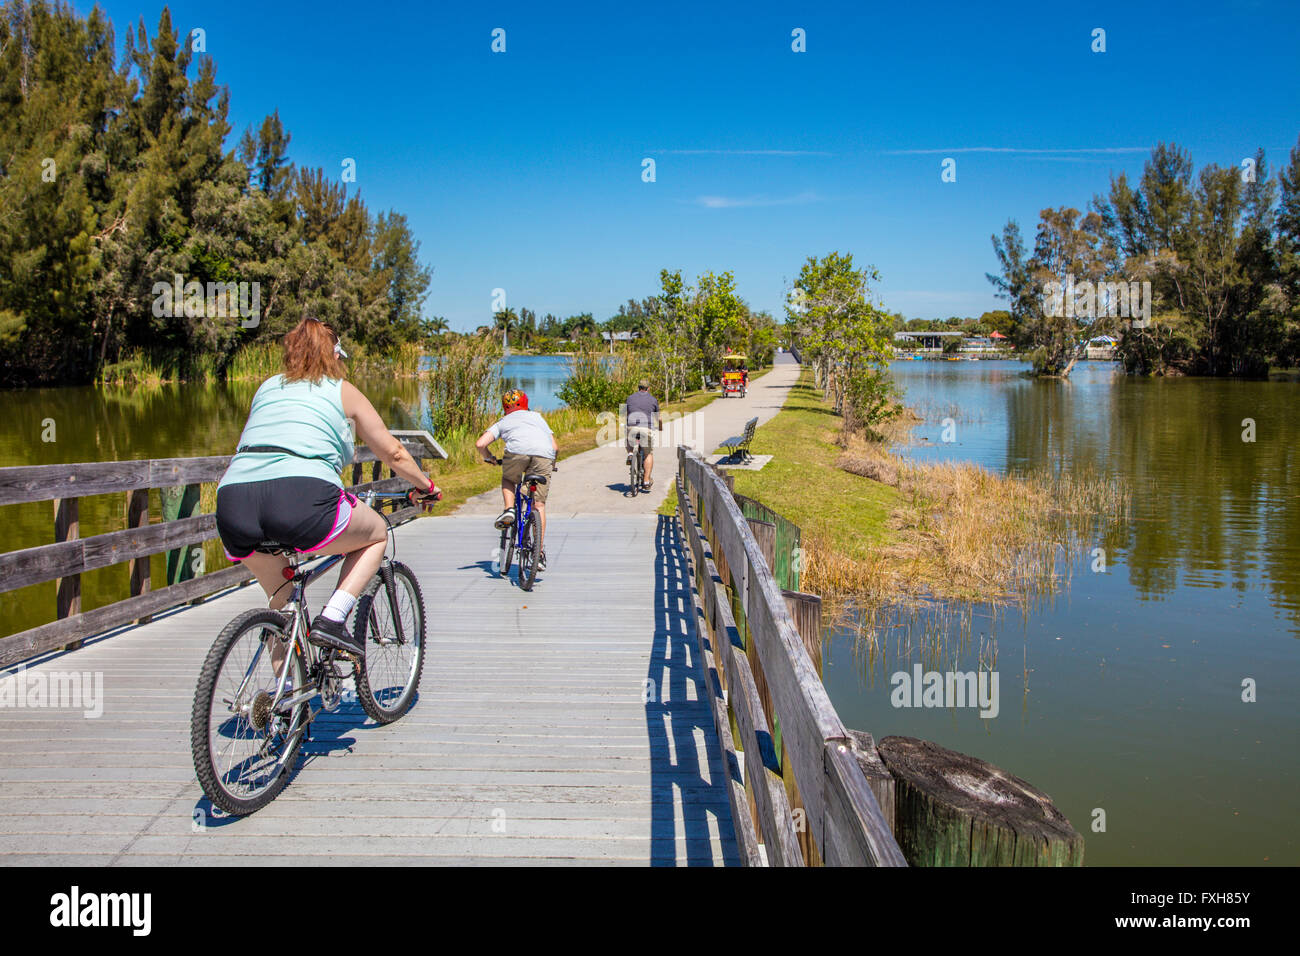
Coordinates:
[846,513]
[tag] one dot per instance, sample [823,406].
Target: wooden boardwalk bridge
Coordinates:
[536,736]
[616,714]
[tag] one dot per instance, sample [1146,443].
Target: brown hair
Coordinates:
[309,353]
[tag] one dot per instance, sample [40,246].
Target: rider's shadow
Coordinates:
[331,735]
[331,732]
[489,566]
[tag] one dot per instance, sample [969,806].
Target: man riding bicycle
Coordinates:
[642,414]
[531,449]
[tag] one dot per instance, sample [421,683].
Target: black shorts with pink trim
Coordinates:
[305,514]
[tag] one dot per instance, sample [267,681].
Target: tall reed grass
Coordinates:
[962,532]
[256,362]
[464,384]
[401,362]
[159,367]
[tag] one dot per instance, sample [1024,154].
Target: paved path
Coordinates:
[595,482]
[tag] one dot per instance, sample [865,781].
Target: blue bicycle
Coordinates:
[523,534]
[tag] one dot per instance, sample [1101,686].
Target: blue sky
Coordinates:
[522,170]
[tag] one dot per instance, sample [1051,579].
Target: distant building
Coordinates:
[923,340]
[1101,348]
[620,336]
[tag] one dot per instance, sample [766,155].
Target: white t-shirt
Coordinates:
[526,433]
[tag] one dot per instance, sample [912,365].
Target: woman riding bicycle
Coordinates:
[283,484]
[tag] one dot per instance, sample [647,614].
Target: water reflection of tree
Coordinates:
[1204,503]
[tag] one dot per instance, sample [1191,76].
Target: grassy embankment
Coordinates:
[879,529]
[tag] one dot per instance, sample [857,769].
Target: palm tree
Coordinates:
[504,319]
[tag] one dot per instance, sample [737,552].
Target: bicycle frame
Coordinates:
[523,509]
[300,621]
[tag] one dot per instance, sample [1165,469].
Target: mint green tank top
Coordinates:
[299,416]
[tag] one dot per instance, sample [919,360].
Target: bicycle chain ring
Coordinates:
[331,687]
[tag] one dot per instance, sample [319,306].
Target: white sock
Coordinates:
[340,603]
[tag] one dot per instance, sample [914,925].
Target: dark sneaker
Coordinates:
[648,483]
[504,520]
[335,634]
[541,562]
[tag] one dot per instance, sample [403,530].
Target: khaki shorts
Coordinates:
[647,438]
[516,466]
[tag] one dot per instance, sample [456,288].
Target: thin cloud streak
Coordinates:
[734,202]
[1014,149]
[741,152]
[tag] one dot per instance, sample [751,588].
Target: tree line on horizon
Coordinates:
[115,176]
[1220,250]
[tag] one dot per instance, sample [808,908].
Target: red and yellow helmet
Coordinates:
[514,400]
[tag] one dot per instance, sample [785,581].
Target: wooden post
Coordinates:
[179,501]
[955,810]
[878,777]
[765,535]
[67,597]
[806,610]
[137,516]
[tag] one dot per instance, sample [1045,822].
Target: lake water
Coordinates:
[1124,693]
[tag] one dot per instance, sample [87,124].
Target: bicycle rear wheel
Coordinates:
[390,674]
[243,752]
[529,554]
[634,472]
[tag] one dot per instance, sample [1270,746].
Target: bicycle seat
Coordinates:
[535,479]
[274,547]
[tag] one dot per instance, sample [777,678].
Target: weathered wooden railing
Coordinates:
[180,534]
[807,796]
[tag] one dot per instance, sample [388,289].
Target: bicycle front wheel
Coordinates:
[507,549]
[243,749]
[390,625]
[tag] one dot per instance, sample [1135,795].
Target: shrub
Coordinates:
[598,381]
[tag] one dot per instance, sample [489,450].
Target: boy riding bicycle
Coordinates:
[531,448]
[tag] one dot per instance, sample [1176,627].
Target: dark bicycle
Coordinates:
[522,534]
[636,468]
[252,706]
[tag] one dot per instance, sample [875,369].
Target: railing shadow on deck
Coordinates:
[675,669]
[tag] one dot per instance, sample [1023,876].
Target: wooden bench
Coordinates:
[738,445]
